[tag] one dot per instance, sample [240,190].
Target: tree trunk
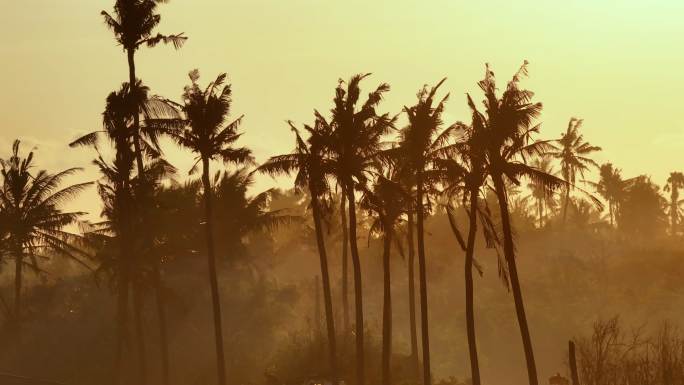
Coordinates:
[573,362]
[358,288]
[412,297]
[18,282]
[540,209]
[423,283]
[140,334]
[161,317]
[470,312]
[213,281]
[509,253]
[327,294]
[565,204]
[386,309]
[136,116]
[345,268]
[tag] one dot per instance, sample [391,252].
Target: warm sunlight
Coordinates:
[303,192]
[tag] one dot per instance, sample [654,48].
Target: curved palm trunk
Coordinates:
[140,334]
[412,296]
[470,312]
[122,324]
[358,288]
[327,295]
[509,252]
[161,316]
[423,283]
[213,281]
[386,309]
[345,268]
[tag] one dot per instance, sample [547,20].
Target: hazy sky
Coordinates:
[617,64]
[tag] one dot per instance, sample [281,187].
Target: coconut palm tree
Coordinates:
[573,153]
[133,23]
[387,201]
[157,116]
[31,214]
[311,166]
[423,141]
[508,129]
[209,135]
[612,188]
[356,133]
[675,182]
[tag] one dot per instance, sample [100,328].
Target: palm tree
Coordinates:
[573,153]
[210,136]
[31,215]
[421,143]
[158,115]
[311,166]
[132,23]
[388,201]
[355,142]
[544,200]
[675,182]
[612,188]
[507,123]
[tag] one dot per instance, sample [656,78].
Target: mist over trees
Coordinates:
[473,250]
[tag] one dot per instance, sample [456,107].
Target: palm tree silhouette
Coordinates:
[354,144]
[133,23]
[210,136]
[421,143]
[159,115]
[675,182]
[612,188]
[508,129]
[573,153]
[34,223]
[311,165]
[387,201]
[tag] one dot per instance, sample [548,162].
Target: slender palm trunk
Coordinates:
[509,253]
[423,283]
[358,288]
[345,268]
[213,281]
[386,309]
[540,210]
[470,311]
[161,318]
[136,116]
[412,297]
[327,295]
[566,203]
[140,333]
[610,210]
[18,282]
[122,324]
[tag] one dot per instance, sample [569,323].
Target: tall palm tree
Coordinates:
[157,116]
[612,188]
[311,165]
[209,135]
[508,128]
[675,182]
[356,133]
[387,201]
[31,214]
[133,23]
[423,141]
[573,153]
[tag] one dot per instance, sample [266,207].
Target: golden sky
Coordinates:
[617,64]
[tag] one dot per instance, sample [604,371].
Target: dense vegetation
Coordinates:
[397,210]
